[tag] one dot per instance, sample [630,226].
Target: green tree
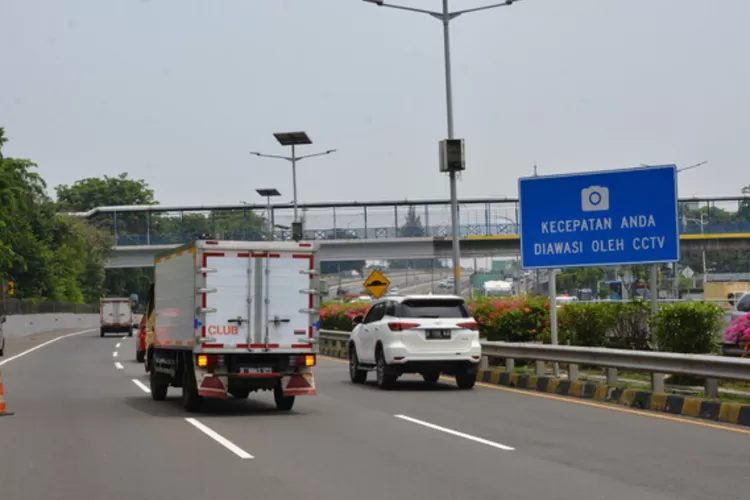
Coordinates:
[573,279]
[86,194]
[47,255]
[93,192]
[412,227]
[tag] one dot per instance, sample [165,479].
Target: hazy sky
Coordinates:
[178,91]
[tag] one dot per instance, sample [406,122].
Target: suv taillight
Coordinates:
[469,325]
[398,326]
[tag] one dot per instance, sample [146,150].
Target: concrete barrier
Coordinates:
[20,325]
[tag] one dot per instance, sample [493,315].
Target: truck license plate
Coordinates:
[255,369]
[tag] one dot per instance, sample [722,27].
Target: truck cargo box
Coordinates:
[232,317]
[237,296]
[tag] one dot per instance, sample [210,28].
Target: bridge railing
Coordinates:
[488,217]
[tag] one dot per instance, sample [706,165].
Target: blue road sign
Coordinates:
[607,218]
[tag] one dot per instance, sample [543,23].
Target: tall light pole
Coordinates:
[268,193]
[446,16]
[702,221]
[293,139]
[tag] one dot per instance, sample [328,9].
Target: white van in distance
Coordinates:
[116,316]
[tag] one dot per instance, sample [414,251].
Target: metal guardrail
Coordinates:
[697,365]
[711,367]
[333,335]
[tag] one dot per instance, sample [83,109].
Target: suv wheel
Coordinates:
[466,380]
[386,379]
[355,374]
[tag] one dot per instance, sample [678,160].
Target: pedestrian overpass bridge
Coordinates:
[409,229]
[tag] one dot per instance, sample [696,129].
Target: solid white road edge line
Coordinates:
[220,439]
[28,351]
[142,386]
[456,433]
[119,366]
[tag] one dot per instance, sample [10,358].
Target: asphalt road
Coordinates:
[83,429]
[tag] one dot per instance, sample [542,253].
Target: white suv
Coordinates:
[425,334]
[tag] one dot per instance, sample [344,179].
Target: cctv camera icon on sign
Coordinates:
[595,199]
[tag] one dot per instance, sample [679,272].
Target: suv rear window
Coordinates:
[433,308]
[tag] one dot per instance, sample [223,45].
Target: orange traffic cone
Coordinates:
[3,407]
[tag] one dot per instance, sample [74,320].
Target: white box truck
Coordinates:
[116,316]
[234,317]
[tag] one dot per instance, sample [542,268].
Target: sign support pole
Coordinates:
[552,285]
[654,286]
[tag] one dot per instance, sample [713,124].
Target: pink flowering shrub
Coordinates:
[340,316]
[511,319]
[739,331]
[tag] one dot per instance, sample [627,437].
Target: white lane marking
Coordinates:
[114,354]
[28,351]
[220,439]
[117,345]
[119,366]
[456,433]
[124,337]
[141,386]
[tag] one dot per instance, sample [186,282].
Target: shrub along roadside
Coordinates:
[686,327]
[513,319]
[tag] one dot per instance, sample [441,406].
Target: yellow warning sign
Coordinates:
[376,283]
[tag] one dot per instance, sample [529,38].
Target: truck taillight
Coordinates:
[304,360]
[469,325]
[209,360]
[399,327]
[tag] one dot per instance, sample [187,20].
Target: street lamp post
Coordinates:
[293,139]
[268,193]
[446,16]
[702,221]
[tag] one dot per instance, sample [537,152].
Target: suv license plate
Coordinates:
[253,370]
[438,334]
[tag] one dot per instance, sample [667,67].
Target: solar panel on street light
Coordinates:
[292,138]
[268,192]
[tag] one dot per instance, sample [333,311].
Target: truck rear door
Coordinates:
[227,299]
[112,313]
[105,313]
[289,300]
